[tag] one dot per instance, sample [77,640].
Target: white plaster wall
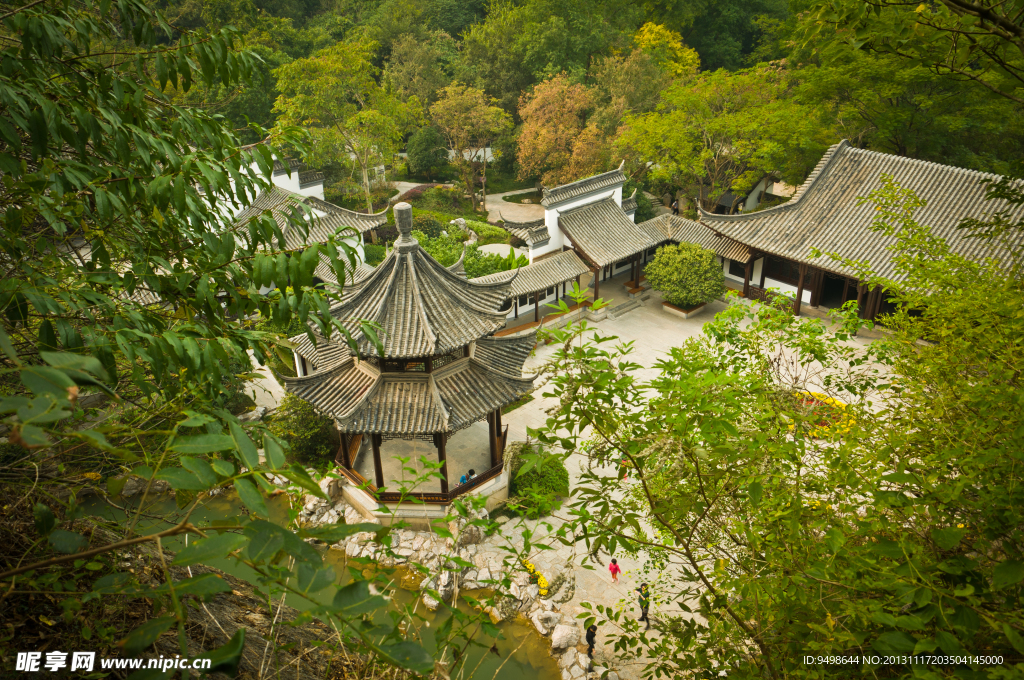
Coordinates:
[314,190]
[285,182]
[758,266]
[753,197]
[788,289]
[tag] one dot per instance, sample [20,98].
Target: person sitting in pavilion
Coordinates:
[468,476]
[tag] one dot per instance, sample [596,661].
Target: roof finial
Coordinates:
[403,219]
[622,164]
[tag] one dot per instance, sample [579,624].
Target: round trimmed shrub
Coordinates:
[686,275]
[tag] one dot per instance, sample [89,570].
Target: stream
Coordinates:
[527,653]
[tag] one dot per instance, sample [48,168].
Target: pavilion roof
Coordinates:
[365,400]
[542,274]
[827,212]
[629,204]
[324,219]
[603,232]
[582,187]
[420,307]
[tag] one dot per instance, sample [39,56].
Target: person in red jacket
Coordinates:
[615,569]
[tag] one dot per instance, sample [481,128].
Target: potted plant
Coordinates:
[687,276]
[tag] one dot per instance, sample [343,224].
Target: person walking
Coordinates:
[645,603]
[591,639]
[675,207]
[615,569]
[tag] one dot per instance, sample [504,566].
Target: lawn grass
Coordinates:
[533,197]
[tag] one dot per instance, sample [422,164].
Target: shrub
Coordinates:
[428,224]
[428,153]
[441,198]
[540,490]
[686,274]
[644,206]
[374,253]
[415,193]
[312,437]
[488,233]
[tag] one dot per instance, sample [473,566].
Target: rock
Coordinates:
[539,625]
[429,602]
[310,505]
[471,575]
[532,591]
[583,659]
[352,549]
[254,415]
[459,222]
[566,675]
[352,516]
[484,575]
[331,486]
[565,636]
[514,591]
[567,659]
[446,585]
[546,605]
[612,675]
[417,543]
[577,672]
[544,622]
[502,519]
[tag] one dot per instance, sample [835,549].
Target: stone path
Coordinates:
[516,212]
[268,392]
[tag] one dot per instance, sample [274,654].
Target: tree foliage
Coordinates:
[686,274]
[350,116]
[773,531]
[428,153]
[469,121]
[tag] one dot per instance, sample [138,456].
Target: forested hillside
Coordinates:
[586,82]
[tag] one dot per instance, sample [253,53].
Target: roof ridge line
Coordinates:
[824,164]
[436,396]
[420,305]
[473,361]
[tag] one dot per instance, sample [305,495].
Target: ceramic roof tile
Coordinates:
[565,192]
[603,232]
[826,211]
[542,274]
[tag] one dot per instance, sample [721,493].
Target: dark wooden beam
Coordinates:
[860,300]
[748,270]
[816,286]
[846,289]
[800,288]
[378,470]
[492,438]
[597,282]
[536,306]
[439,442]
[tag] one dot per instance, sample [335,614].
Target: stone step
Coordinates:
[618,310]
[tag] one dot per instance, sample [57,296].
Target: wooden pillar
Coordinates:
[517,308]
[846,289]
[800,288]
[597,282]
[748,271]
[876,305]
[493,438]
[860,300]
[536,306]
[342,458]
[497,434]
[819,283]
[378,470]
[439,442]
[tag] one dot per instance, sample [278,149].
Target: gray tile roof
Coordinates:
[681,230]
[603,232]
[324,355]
[325,272]
[308,177]
[535,232]
[505,355]
[364,400]
[542,274]
[629,204]
[582,187]
[422,308]
[826,212]
[280,201]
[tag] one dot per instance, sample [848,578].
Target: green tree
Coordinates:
[350,116]
[469,121]
[419,68]
[725,131]
[428,153]
[966,40]
[686,274]
[127,278]
[797,494]
[492,58]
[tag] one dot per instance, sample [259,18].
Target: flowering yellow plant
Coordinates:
[833,417]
